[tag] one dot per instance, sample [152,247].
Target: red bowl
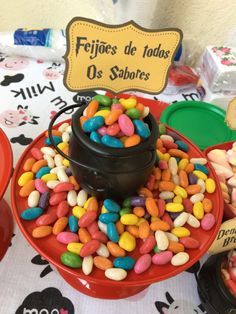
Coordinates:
[229,210]
[96,284]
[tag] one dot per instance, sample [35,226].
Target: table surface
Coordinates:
[32,91]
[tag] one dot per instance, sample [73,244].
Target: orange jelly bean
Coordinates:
[102,262]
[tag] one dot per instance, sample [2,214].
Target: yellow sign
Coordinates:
[118,58]
[230,117]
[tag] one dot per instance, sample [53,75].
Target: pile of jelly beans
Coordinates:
[115,122]
[104,233]
[228,271]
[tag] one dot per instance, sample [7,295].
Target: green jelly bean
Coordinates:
[103,108]
[133,113]
[103,100]
[162,129]
[115,101]
[156,250]
[124,211]
[71,259]
[127,202]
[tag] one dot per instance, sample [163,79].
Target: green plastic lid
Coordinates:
[201,122]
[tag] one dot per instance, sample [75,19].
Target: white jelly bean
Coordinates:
[48,151]
[103,250]
[49,160]
[102,227]
[173,166]
[33,199]
[62,176]
[87,264]
[69,129]
[193,221]
[58,159]
[56,169]
[52,184]
[162,240]
[197,198]
[172,237]
[200,161]
[65,137]
[116,274]
[201,183]
[166,195]
[63,127]
[72,198]
[166,137]
[180,259]
[145,112]
[181,219]
[85,112]
[175,179]
[82,198]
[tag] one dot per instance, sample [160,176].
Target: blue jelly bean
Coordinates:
[125,262]
[181,145]
[31,213]
[57,140]
[108,217]
[73,223]
[112,232]
[44,200]
[141,128]
[111,206]
[93,124]
[110,141]
[201,168]
[42,171]
[94,136]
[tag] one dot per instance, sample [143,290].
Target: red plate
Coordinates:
[96,284]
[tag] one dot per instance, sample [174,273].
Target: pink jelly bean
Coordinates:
[62,209]
[166,217]
[56,198]
[208,221]
[87,219]
[232,272]
[67,237]
[126,125]
[89,248]
[93,227]
[46,219]
[100,236]
[189,242]
[113,129]
[142,263]
[117,106]
[41,186]
[161,207]
[36,153]
[63,187]
[163,164]
[148,245]
[102,131]
[120,134]
[162,258]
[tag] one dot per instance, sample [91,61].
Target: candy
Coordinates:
[103,100]
[180,259]
[59,225]
[93,124]
[87,265]
[162,258]
[141,129]
[89,248]
[161,240]
[142,263]
[208,221]
[71,259]
[31,213]
[111,206]
[126,263]
[66,237]
[110,141]
[27,188]
[116,274]
[127,241]
[42,231]
[25,177]
[112,232]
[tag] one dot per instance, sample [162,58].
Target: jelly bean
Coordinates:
[127,241]
[163,165]
[25,177]
[72,198]
[181,219]
[192,178]
[166,186]
[132,140]
[62,176]
[116,274]
[171,237]
[42,171]
[31,213]
[87,219]
[137,201]
[33,199]
[110,141]
[180,259]
[133,113]
[144,230]
[56,139]
[73,223]
[173,166]
[36,153]
[151,206]
[193,189]
[41,186]
[207,205]
[44,200]
[84,235]
[200,161]
[62,209]
[141,128]
[108,217]
[48,151]
[71,259]
[56,198]
[111,206]
[49,177]
[189,242]
[160,225]
[103,250]
[200,174]
[197,198]
[182,145]
[27,188]
[95,137]
[65,137]
[82,198]
[180,232]
[28,164]
[63,187]
[66,237]
[162,258]
[62,128]
[46,219]
[129,219]
[178,190]
[38,165]
[161,240]
[208,221]
[92,108]
[142,263]
[93,124]
[126,262]
[148,245]
[198,210]
[102,112]
[102,262]
[210,185]
[60,225]
[100,236]
[87,265]
[174,207]
[112,232]
[126,125]
[89,248]
[175,247]
[166,195]
[41,232]
[50,161]
[201,168]
[193,221]
[103,100]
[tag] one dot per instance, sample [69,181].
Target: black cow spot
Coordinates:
[9,79]
[38,260]
[50,300]
[22,140]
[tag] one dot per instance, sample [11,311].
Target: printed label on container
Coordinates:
[32,37]
[118,58]
[230,117]
[226,237]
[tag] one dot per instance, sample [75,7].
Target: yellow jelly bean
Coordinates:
[166,156]
[87,202]
[104,210]
[128,103]
[177,199]
[198,210]
[210,185]
[141,220]
[103,113]
[183,163]
[160,154]
[174,207]
[25,177]
[48,177]
[180,191]
[129,219]
[180,232]
[62,145]
[200,174]
[78,211]
[66,162]
[127,241]
[74,247]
